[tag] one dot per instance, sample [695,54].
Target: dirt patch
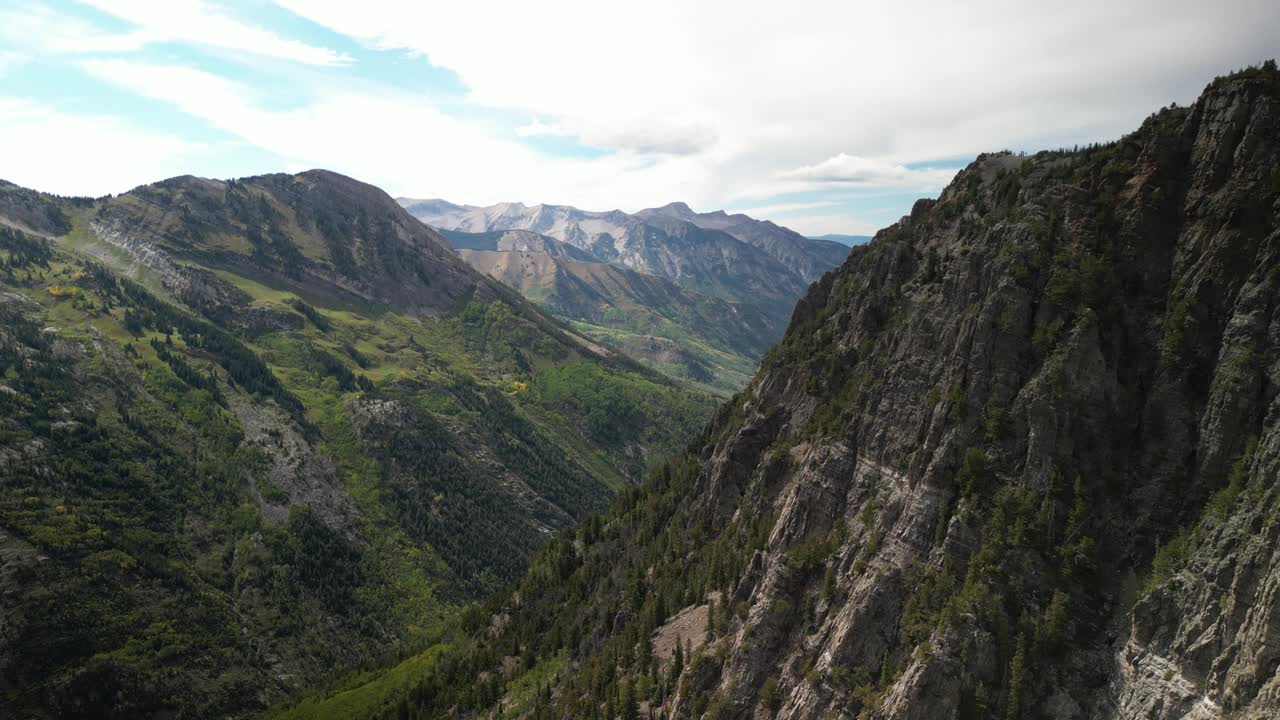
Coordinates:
[689,627]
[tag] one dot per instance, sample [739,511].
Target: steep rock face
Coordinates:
[1016,458]
[1098,325]
[306,476]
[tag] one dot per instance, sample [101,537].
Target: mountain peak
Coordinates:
[806,257]
[677,209]
[680,209]
[310,230]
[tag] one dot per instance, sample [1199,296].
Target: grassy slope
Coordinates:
[404,585]
[367,694]
[729,371]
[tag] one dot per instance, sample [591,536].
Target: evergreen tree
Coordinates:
[1017,668]
[645,654]
[630,709]
[677,664]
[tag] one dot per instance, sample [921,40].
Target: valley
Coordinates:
[696,296]
[1015,458]
[276,424]
[676,361]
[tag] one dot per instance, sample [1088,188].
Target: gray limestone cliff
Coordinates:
[1035,424]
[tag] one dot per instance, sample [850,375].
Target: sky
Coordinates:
[824,116]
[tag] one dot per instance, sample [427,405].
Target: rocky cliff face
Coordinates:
[1089,331]
[1016,458]
[998,411]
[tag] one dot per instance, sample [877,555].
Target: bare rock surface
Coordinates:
[1096,330]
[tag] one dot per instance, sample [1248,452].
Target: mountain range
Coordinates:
[276,447]
[696,295]
[1016,458]
[257,431]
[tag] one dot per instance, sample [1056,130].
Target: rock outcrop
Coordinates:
[999,410]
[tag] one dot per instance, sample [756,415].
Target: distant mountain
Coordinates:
[264,430]
[758,268]
[843,239]
[807,257]
[707,340]
[707,260]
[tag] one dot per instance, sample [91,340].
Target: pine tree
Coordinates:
[677,663]
[645,653]
[1017,668]
[630,710]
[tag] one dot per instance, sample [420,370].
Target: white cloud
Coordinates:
[45,148]
[833,224]
[400,142]
[38,29]
[537,128]
[654,139]
[717,103]
[853,170]
[778,88]
[775,209]
[155,21]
